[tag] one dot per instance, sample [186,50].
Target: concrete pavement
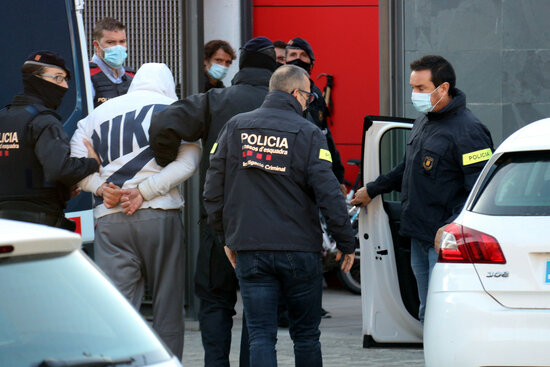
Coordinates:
[341,339]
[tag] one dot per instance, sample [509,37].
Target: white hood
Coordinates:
[154,77]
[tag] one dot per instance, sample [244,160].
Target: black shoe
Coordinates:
[325,314]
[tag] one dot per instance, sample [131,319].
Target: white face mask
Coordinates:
[422,101]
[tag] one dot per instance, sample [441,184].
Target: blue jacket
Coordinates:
[445,153]
[270,173]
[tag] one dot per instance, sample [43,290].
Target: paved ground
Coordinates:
[341,339]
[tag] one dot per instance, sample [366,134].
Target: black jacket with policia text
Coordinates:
[271,169]
[445,153]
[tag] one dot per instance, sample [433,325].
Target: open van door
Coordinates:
[57,25]
[389,293]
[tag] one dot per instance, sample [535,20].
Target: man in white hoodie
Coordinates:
[139,233]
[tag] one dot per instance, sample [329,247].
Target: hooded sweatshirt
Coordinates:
[119,132]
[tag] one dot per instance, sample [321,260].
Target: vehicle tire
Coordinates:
[352,280]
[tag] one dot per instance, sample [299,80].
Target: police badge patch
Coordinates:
[428,163]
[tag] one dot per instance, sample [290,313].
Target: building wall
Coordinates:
[500,50]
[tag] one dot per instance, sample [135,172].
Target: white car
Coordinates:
[489,295]
[58,309]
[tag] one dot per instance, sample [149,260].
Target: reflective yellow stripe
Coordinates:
[325,154]
[474,157]
[214,147]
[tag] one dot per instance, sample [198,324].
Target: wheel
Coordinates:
[352,280]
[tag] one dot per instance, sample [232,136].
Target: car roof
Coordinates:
[21,238]
[535,136]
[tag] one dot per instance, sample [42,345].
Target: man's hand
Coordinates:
[91,152]
[344,189]
[111,194]
[347,263]
[231,255]
[438,236]
[75,190]
[131,200]
[361,197]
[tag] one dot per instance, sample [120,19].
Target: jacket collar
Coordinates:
[282,100]
[457,104]
[26,99]
[252,76]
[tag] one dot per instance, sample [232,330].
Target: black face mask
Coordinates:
[278,64]
[51,94]
[300,63]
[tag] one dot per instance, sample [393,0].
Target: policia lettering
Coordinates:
[267,151]
[478,156]
[9,140]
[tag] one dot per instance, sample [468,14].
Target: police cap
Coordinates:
[48,59]
[302,44]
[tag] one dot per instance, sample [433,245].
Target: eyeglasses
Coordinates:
[310,96]
[58,78]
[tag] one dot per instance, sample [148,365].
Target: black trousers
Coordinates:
[48,219]
[216,285]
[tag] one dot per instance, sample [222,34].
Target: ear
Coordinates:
[96,47]
[445,88]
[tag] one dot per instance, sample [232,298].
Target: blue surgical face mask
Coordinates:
[115,56]
[217,71]
[422,101]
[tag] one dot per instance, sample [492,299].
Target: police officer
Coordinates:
[34,148]
[446,150]
[300,53]
[109,78]
[270,173]
[202,116]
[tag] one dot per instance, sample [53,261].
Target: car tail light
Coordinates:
[461,244]
[6,249]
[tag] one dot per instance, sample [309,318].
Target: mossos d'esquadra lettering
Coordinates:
[264,140]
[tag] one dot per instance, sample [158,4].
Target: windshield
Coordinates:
[62,308]
[518,184]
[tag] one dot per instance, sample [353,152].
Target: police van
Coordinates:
[57,26]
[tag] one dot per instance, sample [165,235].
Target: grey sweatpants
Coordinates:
[147,247]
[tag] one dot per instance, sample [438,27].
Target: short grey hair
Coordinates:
[288,78]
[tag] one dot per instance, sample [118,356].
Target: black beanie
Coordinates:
[259,53]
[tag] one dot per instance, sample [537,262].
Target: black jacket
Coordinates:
[318,114]
[207,85]
[270,173]
[202,116]
[445,153]
[40,166]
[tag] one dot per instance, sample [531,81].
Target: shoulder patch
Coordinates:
[477,156]
[325,155]
[214,148]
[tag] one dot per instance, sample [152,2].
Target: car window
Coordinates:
[60,307]
[517,184]
[392,152]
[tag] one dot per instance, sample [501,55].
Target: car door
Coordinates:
[56,25]
[389,294]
